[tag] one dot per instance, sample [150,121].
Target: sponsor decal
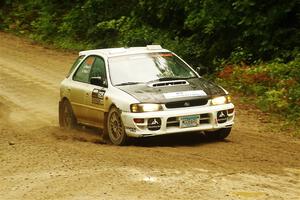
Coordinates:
[154,124]
[90,61]
[194,93]
[222,114]
[186,104]
[98,96]
[131,129]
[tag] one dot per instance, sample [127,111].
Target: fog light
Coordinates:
[154,124]
[222,116]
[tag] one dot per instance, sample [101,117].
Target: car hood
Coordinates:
[197,88]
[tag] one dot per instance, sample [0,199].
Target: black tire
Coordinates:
[220,134]
[115,128]
[66,116]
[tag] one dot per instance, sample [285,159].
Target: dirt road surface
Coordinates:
[41,161]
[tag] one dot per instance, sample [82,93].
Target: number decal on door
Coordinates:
[98,96]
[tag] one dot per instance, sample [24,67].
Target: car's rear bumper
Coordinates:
[170,120]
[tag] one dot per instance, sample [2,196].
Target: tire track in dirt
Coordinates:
[33,102]
[28,84]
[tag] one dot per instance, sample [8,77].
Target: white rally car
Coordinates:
[142,91]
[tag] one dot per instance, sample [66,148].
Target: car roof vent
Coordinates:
[154,47]
[117,50]
[169,83]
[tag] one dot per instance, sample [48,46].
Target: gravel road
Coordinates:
[41,161]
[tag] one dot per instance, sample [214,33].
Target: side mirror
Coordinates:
[98,81]
[201,70]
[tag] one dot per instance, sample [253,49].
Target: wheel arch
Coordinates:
[106,114]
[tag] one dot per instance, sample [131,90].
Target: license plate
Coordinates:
[189,121]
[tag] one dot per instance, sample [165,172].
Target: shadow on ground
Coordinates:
[174,140]
[94,135]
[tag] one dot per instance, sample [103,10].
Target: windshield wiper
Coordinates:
[128,83]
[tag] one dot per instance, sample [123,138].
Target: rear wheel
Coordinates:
[218,134]
[115,127]
[67,118]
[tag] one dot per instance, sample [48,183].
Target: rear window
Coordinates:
[77,61]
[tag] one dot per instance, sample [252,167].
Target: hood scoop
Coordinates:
[168,83]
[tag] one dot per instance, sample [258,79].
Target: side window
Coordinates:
[98,69]
[77,61]
[83,72]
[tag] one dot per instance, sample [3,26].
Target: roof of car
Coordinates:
[111,52]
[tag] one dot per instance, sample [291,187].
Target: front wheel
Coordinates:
[218,134]
[115,128]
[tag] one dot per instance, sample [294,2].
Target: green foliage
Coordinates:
[203,32]
[276,85]
[234,33]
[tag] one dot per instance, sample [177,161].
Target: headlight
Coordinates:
[221,100]
[145,107]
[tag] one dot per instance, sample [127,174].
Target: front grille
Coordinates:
[188,103]
[173,121]
[204,118]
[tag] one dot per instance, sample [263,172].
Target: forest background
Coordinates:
[251,46]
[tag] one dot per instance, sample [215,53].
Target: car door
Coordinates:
[79,89]
[96,93]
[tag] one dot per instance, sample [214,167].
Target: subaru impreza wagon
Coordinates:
[141,92]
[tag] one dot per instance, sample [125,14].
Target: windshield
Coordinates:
[143,68]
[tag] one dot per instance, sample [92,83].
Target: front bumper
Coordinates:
[170,120]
